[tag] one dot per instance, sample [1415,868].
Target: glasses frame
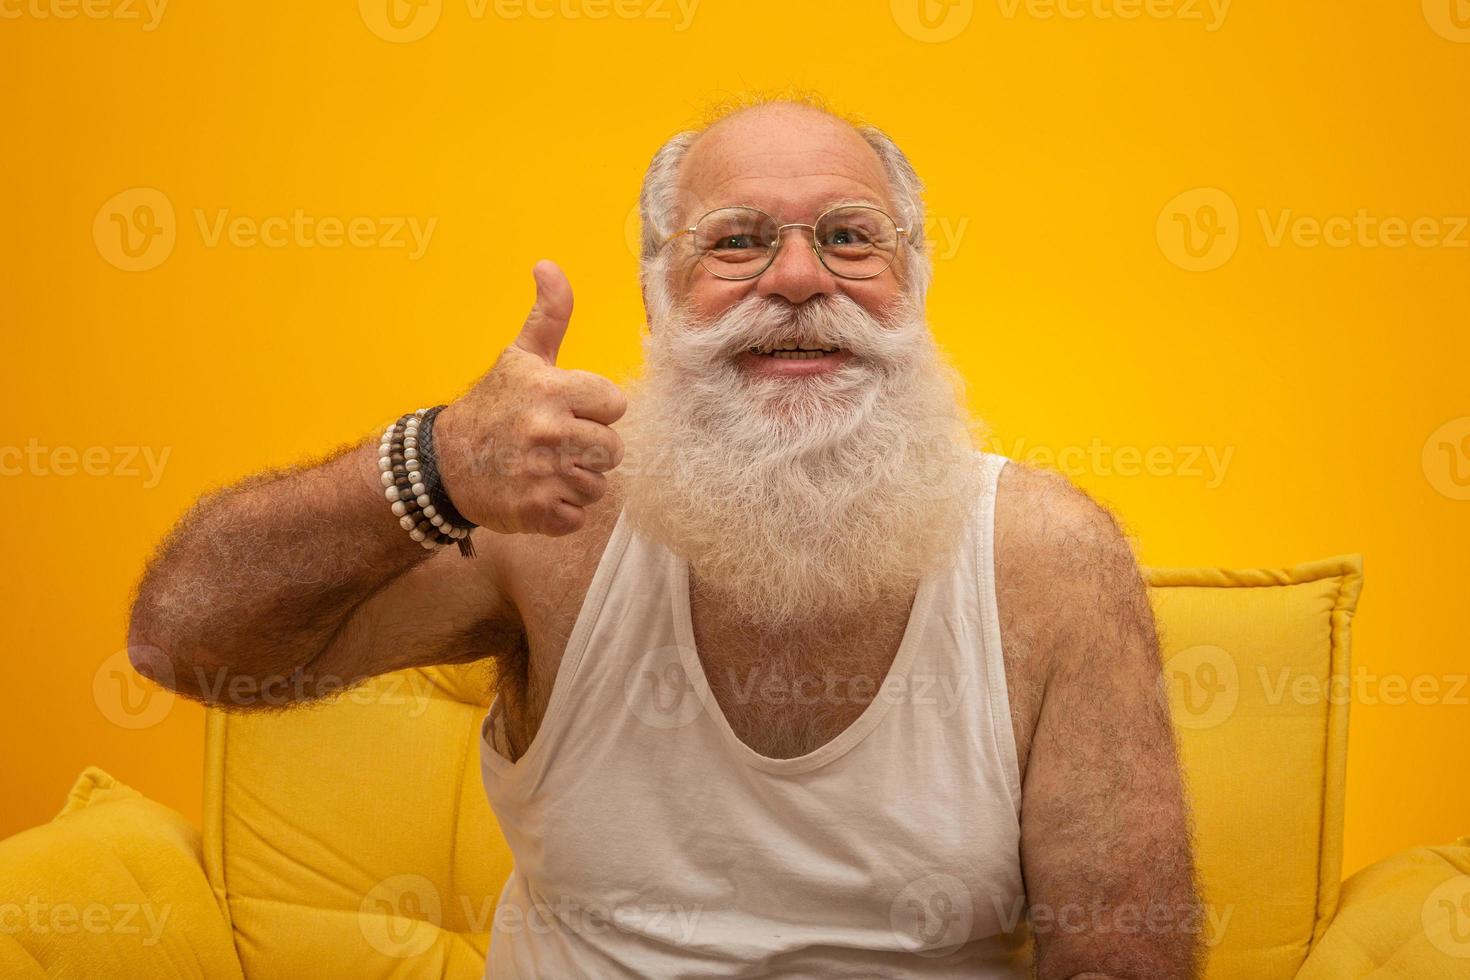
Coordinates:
[904,235]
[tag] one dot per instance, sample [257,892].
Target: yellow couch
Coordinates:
[352,839]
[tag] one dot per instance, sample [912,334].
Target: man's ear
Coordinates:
[647,320]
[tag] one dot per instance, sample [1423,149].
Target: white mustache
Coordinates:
[828,321]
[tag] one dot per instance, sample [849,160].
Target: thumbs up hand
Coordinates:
[526,449]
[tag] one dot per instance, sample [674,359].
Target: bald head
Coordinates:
[793,160]
[789,160]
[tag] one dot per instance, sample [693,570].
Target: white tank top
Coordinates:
[650,842]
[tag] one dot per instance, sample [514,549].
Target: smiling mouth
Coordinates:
[794,352]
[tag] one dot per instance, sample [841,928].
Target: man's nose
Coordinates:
[796,274]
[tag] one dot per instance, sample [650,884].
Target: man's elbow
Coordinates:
[149,660]
[212,677]
[1152,940]
[159,657]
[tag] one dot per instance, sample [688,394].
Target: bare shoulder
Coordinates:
[1054,519]
[547,577]
[1055,543]
[1064,569]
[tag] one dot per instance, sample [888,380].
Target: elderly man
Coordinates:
[792,681]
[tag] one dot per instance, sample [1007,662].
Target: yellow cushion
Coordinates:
[1407,915]
[112,887]
[354,839]
[1256,667]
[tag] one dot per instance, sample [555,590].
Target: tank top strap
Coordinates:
[960,662]
[625,611]
[992,658]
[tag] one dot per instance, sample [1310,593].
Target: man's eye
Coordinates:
[845,236]
[735,242]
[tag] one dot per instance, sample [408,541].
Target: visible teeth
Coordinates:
[792,350]
[797,355]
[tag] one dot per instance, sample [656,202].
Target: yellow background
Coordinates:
[1053,147]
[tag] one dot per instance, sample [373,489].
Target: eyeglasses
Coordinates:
[853,241]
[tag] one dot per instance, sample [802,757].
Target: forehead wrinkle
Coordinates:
[781,203]
[795,165]
[736,153]
[722,165]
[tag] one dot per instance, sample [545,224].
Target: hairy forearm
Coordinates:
[255,580]
[1113,881]
[1134,912]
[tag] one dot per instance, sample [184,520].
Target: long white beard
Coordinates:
[796,500]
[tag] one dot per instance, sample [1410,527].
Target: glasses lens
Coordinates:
[735,243]
[857,242]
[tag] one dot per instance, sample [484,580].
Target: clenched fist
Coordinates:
[525,450]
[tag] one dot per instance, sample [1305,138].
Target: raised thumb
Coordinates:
[547,323]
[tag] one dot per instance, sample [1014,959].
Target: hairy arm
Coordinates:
[293,585]
[1105,828]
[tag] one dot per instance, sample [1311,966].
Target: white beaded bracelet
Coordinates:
[398,466]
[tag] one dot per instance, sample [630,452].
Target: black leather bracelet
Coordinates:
[429,468]
[400,471]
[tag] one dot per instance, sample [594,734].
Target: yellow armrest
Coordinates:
[113,887]
[1408,915]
